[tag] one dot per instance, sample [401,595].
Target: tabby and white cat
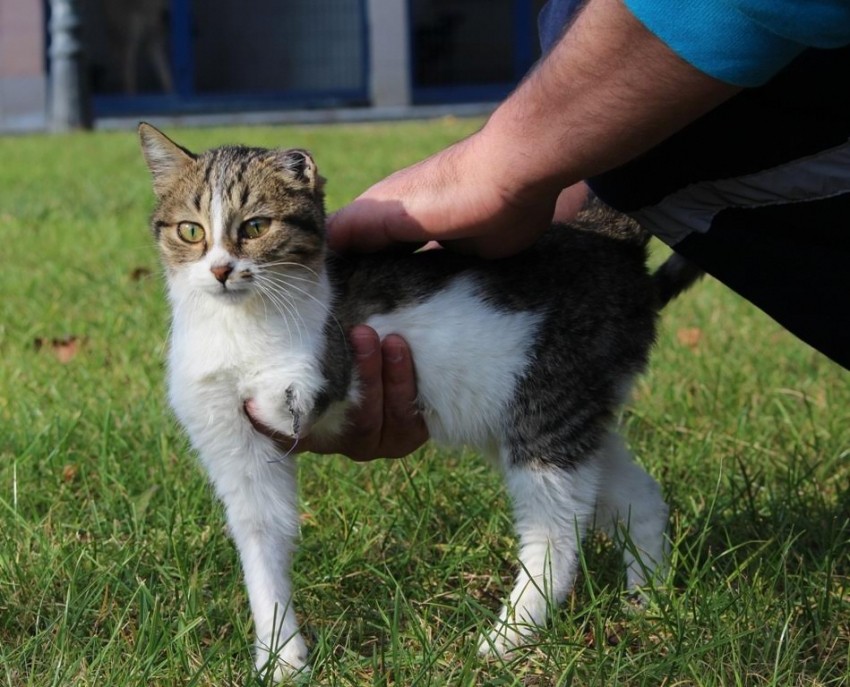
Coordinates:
[528,359]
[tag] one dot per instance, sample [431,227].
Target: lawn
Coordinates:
[116,569]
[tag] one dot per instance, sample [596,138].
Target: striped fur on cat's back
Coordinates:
[528,359]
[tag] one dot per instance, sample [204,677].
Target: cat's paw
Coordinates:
[287,664]
[503,640]
[287,413]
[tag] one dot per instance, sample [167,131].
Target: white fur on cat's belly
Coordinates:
[449,334]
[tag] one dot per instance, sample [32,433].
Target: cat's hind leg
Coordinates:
[631,508]
[553,507]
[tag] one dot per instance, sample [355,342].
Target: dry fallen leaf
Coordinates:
[689,336]
[140,273]
[69,472]
[64,349]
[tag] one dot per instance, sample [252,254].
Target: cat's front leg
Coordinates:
[288,409]
[259,490]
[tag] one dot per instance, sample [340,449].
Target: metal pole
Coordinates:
[70,107]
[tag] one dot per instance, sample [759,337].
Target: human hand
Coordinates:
[466,197]
[570,202]
[386,423]
[581,111]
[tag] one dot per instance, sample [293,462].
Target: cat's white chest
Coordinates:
[217,363]
[206,350]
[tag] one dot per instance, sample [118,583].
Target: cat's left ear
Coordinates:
[166,160]
[303,167]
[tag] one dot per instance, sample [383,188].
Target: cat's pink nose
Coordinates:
[222,272]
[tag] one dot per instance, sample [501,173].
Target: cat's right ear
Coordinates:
[165,159]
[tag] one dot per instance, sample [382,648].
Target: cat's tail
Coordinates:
[675,275]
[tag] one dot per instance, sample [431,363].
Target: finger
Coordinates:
[284,443]
[570,202]
[363,435]
[366,419]
[504,241]
[367,225]
[404,428]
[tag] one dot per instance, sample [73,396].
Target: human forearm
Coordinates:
[607,91]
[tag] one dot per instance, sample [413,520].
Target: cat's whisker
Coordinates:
[283,288]
[289,263]
[285,281]
[288,453]
[315,276]
[308,280]
[297,317]
[282,310]
[285,307]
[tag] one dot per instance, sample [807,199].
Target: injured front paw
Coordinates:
[286,413]
[294,409]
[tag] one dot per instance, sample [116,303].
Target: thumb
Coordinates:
[366,225]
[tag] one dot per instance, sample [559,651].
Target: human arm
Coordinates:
[607,91]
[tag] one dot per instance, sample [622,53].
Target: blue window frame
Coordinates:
[470,50]
[226,55]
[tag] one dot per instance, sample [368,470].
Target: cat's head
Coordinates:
[234,221]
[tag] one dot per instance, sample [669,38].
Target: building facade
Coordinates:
[146,57]
[23,65]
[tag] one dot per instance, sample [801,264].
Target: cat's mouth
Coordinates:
[231,293]
[231,286]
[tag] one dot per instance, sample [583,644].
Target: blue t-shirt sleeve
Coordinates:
[744,42]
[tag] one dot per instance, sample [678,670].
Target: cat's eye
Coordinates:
[190,232]
[256,227]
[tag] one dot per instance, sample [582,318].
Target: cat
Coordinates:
[527,358]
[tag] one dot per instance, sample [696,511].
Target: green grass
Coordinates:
[115,568]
